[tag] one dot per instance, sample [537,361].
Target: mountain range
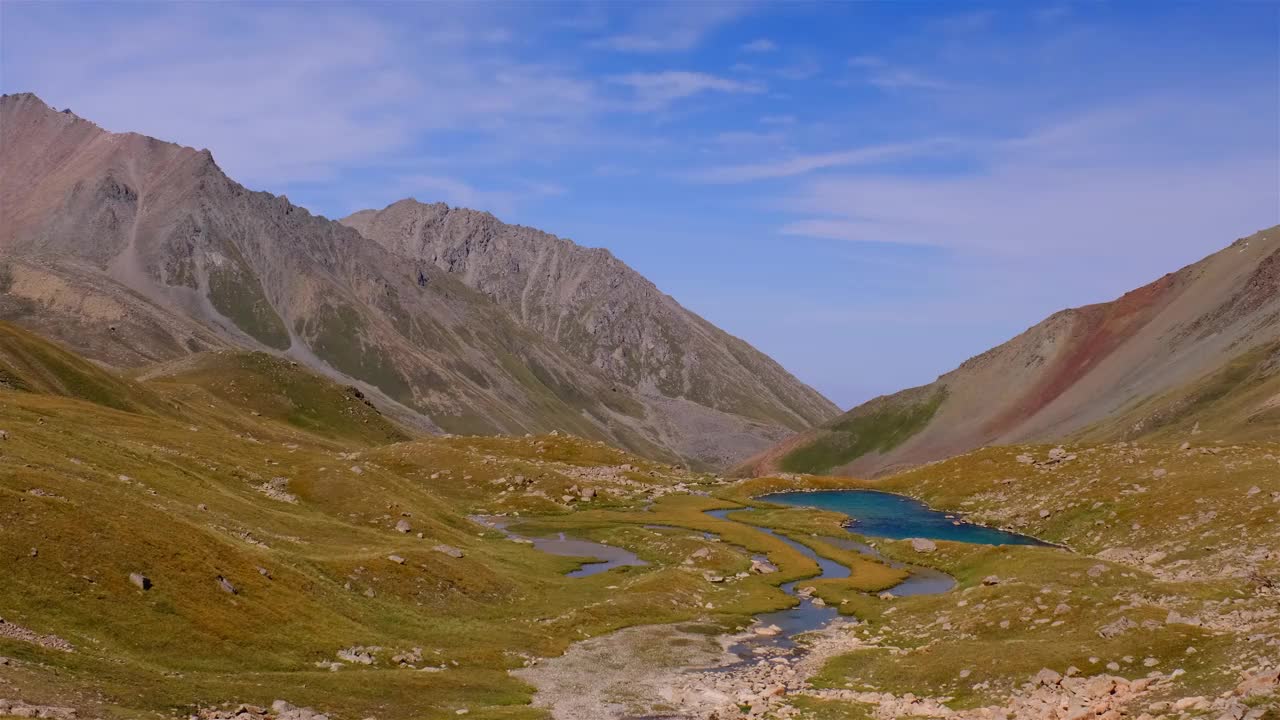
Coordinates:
[1196,352]
[137,252]
[143,255]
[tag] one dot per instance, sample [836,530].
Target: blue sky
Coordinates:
[870,192]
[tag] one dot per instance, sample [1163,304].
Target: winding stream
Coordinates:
[872,513]
[802,618]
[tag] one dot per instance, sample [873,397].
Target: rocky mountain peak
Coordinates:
[134,250]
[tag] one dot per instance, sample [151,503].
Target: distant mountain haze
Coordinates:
[136,251]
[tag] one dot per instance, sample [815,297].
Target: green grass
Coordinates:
[121,492]
[339,337]
[105,476]
[279,389]
[880,429]
[1200,512]
[30,363]
[239,297]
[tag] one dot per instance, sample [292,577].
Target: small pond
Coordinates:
[605,557]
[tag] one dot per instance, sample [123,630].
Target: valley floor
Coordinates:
[181,546]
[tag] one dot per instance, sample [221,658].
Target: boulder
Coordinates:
[923,545]
[1047,677]
[404,526]
[142,581]
[763,567]
[1263,683]
[225,586]
[449,550]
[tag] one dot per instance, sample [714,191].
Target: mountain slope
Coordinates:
[1198,345]
[135,251]
[597,308]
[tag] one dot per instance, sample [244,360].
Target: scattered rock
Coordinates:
[17,632]
[1116,628]
[449,550]
[358,655]
[17,708]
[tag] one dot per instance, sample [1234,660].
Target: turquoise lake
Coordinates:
[886,515]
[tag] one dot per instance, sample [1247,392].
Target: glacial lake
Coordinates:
[895,517]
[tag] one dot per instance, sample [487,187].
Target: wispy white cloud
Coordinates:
[659,89]
[804,164]
[964,23]
[760,45]
[1074,186]
[672,26]
[749,137]
[288,93]
[802,69]
[881,73]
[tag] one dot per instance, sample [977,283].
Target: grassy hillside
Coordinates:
[1240,401]
[270,387]
[261,503]
[29,363]
[875,427]
[257,477]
